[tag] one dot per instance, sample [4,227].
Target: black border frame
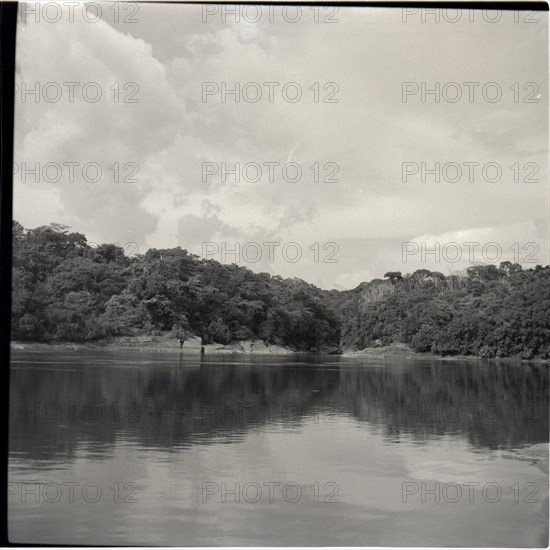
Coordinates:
[8,32]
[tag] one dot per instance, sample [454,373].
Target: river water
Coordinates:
[142,448]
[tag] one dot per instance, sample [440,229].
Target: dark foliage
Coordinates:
[65,290]
[488,312]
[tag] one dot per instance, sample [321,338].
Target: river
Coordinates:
[137,448]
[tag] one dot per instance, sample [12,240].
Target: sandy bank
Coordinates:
[405,352]
[192,346]
[159,344]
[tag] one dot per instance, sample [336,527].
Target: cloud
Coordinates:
[458,250]
[95,57]
[351,152]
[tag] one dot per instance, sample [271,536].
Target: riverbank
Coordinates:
[405,352]
[159,344]
[192,346]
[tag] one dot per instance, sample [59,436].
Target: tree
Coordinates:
[181,329]
[65,290]
[394,277]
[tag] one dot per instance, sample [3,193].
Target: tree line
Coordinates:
[63,289]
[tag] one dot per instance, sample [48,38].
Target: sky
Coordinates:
[363,148]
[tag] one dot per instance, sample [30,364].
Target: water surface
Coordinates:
[317,451]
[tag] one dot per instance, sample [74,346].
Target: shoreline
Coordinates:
[398,352]
[192,346]
[159,345]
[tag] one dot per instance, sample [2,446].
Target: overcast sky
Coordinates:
[368,212]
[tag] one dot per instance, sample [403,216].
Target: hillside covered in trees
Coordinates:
[64,289]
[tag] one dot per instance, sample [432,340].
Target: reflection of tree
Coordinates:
[168,404]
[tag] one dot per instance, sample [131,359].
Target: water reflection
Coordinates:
[168,424]
[171,402]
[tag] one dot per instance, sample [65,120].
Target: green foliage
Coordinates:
[63,289]
[489,312]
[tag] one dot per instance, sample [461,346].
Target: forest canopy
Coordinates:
[65,289]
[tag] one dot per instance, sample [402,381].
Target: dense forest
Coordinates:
[64,289]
